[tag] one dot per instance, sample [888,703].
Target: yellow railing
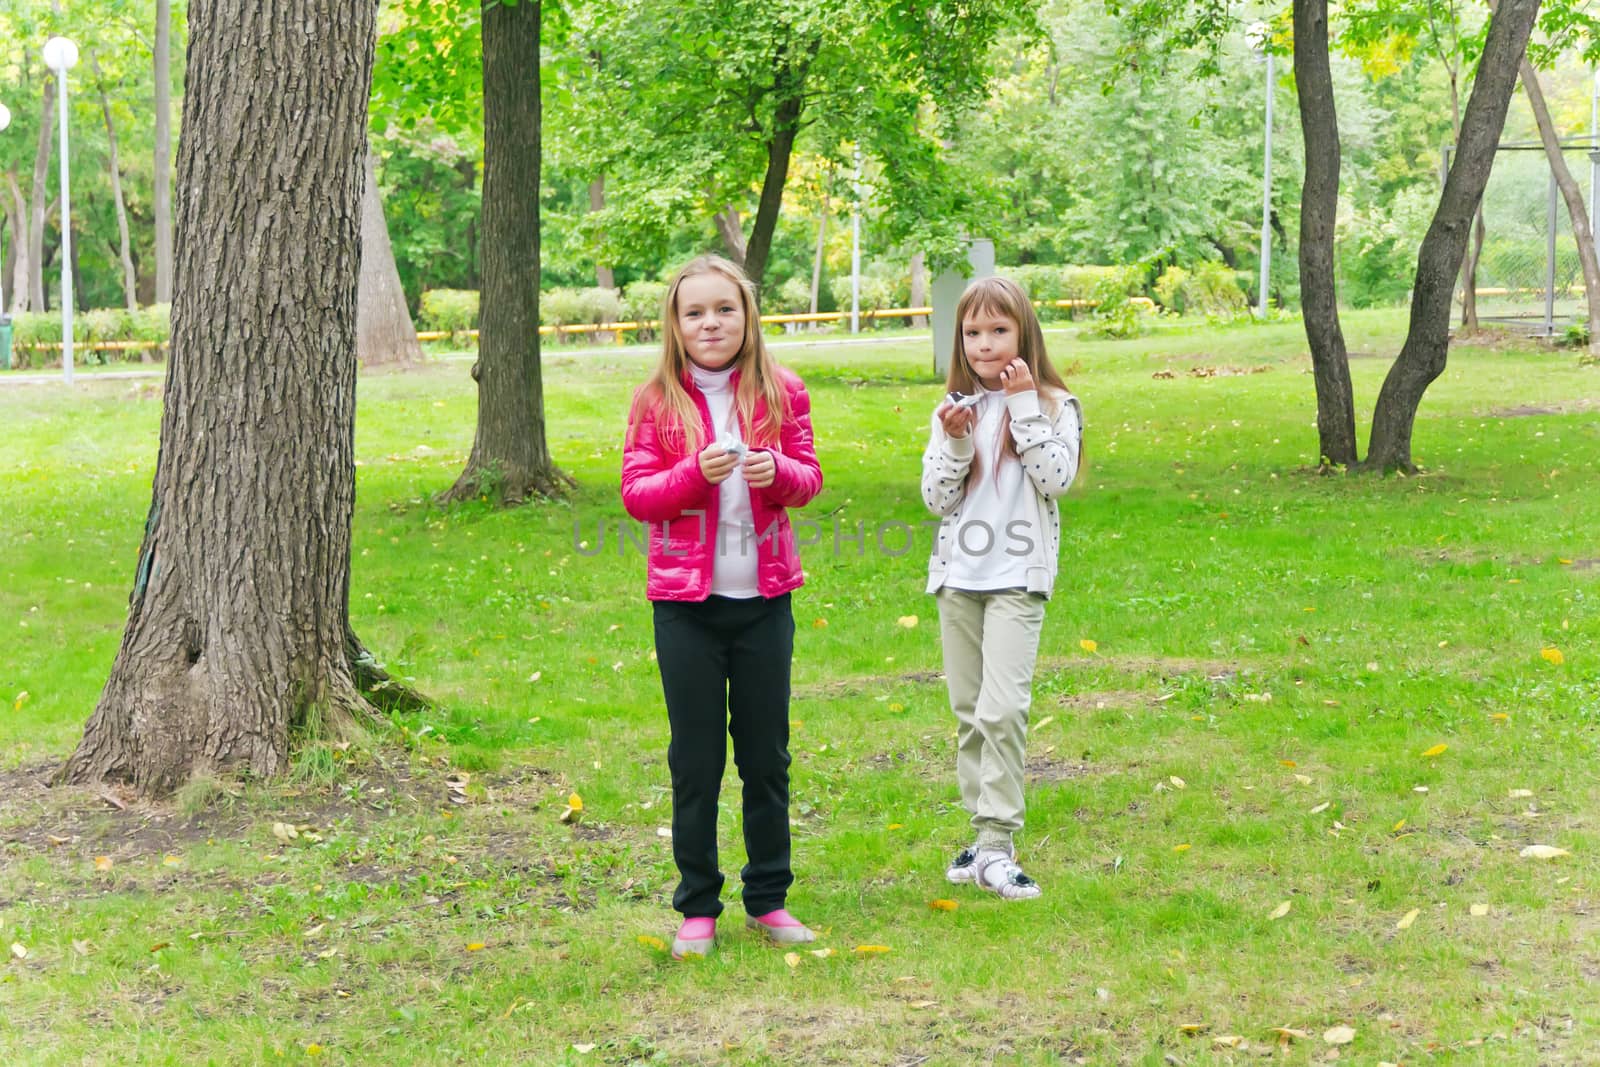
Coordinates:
[615,328]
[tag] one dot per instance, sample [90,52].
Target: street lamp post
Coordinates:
[61,55]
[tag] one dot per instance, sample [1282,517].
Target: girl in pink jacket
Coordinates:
[718,447]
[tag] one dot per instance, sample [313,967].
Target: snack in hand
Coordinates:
[962,400]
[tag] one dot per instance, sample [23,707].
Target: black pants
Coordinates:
[725,670]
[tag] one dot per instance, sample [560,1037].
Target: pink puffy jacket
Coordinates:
[660,484]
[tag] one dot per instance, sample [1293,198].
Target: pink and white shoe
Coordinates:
[696,937]
[780,927]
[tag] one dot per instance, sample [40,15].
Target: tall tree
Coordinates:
[1319,207]
[124,248]
[707,101]
[510,457]
[1423,357]
[162,193]
[238,639]
[384,332]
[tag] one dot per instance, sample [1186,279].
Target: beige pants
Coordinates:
[991,641]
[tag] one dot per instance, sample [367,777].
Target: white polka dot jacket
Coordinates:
[1049,440]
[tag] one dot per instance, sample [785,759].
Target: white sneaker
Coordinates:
[963,870]
[999,873]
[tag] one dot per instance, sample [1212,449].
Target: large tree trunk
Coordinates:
[1422,359]
[1319,199]
[163,151]
[125,251]
[384,333]
[604,276]
[510,458]
[1572,195]
[237,638]
[41,198]
[18,247]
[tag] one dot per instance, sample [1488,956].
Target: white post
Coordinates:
[61,55]
[1266,195]
[855,251]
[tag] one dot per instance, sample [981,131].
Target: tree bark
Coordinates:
[1469,265]
[731,230]
[1423,357]
[789,88]
[510,459]
[125,251]
[816,260]
[604,276]
[919,287]
[41,197]
[1570,192]
[237,641]
[19,247]
[384,332]
[162,198]
[1319,123]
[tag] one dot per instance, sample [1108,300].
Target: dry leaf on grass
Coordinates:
[652,942]
[102,863]
[943,905]
[1553,655]
[1339,1035]
[1479,910]
[1407,919]
[869,950]
[1543,852]
[909,622]
[792,959]
[1436,750]
[1088,645]
[1281,910]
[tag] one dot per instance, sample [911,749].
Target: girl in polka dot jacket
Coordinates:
[1004,446]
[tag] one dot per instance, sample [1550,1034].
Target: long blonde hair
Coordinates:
[1002,296]
[678,417]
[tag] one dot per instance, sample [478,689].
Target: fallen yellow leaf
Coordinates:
[867,950]
[819,624]
[1407,919]
[908,621]
[22,698]
[895,826]
[1553,655]
[1320,808]
[943,905]
[171,861]
[18,950]
[1227,1040]
[1499,716]
[1088,645]
[897,707]
[1194,1028]
[1436,750]
[792,959]
[475,946]
[1287,1034]
[575,802]
[1543,852]
[652,942]
[1281,910]
[102,863]
[1291,764]
[822,953]
[1339,1035]
[313,1050]
[1178,783]
[1398,826]
[1479,910]
[1181,848]
[1046,721]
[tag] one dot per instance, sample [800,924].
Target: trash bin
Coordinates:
[5,342]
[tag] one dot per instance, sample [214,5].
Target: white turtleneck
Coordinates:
[734,573]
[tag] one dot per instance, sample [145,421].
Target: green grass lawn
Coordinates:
[1282,731]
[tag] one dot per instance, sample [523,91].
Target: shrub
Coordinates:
[641,302]
[1115,315]
[1212,288]
[455,310]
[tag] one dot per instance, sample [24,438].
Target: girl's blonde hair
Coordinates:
[1002,296]
[678,418]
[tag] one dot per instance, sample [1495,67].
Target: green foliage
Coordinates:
[1116,316]
[1211,288]
[885,284]
[455,310]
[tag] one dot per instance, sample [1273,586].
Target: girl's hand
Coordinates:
[759,469]
[1016,378]
[716,464]
[958,422]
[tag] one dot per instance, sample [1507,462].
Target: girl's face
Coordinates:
[989,340]
[710,318]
